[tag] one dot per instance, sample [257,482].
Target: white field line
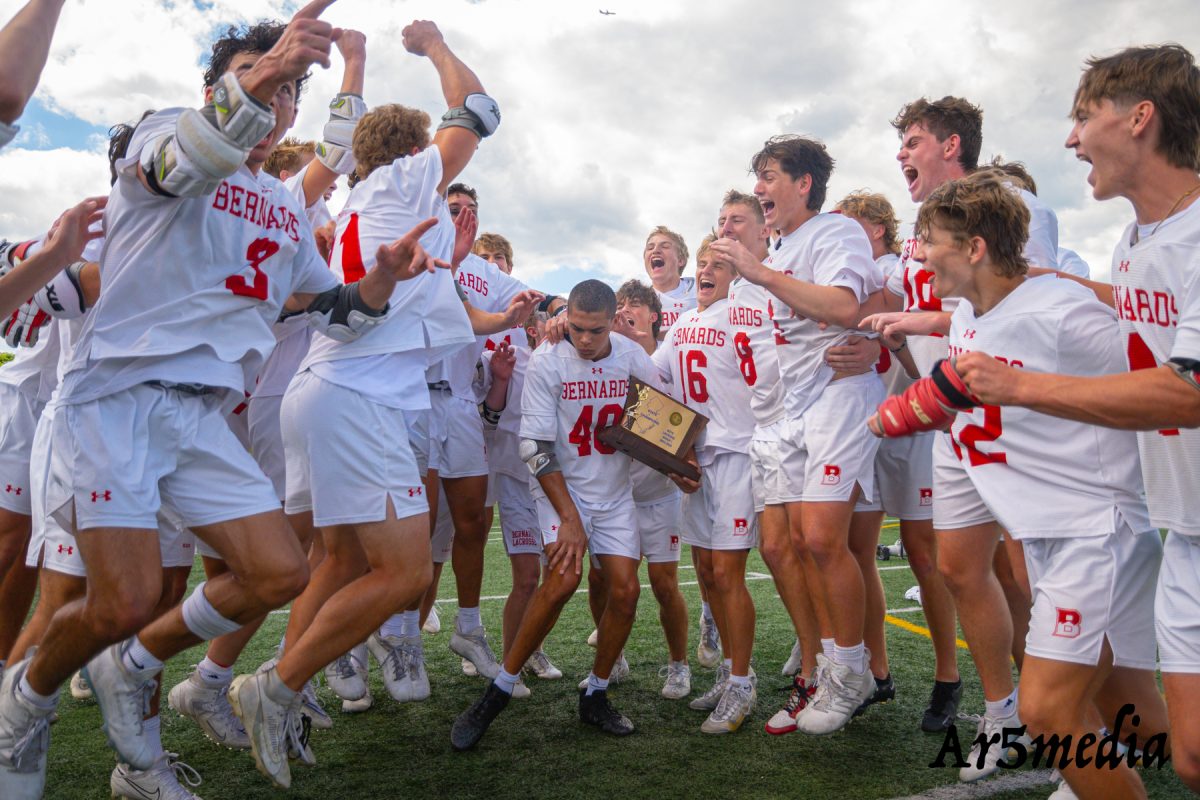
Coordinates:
[994,786]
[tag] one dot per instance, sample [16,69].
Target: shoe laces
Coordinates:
[676,675]
[395,661]
[482,641]
[798,699]
[345,668]
[183,772]
[540,661]
[29,749]
[829,686]
[712,637]
[731,702]
[414,655]
[297,728]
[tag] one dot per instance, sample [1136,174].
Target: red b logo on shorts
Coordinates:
[832,476]
[674,542]
[1068,623]
[740,527]
[926,497]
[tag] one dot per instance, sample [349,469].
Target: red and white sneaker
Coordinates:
[784,720]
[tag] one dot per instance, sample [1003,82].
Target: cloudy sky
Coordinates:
[615,124]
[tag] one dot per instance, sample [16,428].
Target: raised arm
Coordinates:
[24,45]
[335,154]
[63,247]
[471,114]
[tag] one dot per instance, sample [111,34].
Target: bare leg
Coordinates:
[17,581]
[936,602]
[791,582]
[672,610]
[526,567]
[729,584]
[865,527]
[465,497]
[826,531]
[621,580]
[55,590]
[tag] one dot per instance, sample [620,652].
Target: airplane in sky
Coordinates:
[608,13]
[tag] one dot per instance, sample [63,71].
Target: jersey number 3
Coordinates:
[258,252]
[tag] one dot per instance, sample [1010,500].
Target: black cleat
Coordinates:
[943,707]
[885,692]
[595,710]
[470,726]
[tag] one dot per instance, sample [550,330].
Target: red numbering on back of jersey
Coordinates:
[258,252]
[586,436]
[745,355]
[1140,357]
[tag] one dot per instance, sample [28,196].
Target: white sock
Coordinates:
[506,681]
[706,612]
[468,619]
[213,673]
[854,657]
[277,690]
[595,684]
[681,665]
[411,624]
[827,646]
[392,626]
[999,709]
[152,730]
[41,701]
[739,680]
[728,664]
[140,661]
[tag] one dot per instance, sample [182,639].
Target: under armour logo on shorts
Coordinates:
[832,476]
[105,495]
[415,492]
[1068,623]
[69,550]
[13,489]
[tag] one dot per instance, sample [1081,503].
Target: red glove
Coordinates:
[929,404]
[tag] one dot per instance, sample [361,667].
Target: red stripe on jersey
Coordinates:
[352,262]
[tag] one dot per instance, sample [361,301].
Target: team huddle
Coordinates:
[327,408]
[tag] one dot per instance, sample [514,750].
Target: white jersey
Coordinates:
[827,250]
[1042,476]
[425,319]
[1156,289]
[750,317]
[701,363]
[1072,263]
[888,367]
[293,334]
[489,289]
[567,400]
[192,285]
[911,280]
[676,302]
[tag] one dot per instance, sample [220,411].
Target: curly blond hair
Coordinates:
[386,133]
[288,155]
[493,243]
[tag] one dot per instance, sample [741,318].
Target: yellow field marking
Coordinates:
[908,626]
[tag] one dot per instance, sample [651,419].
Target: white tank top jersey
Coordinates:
[750,311]
[912,281]
[701,362]
[489,289]
[1156,289]
[888,367]
[503,455]
[1046,477]
[425,319]
[677,301]
[567,400]
[192,285]
[292,335]
[827,250]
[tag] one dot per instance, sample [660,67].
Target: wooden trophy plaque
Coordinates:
[656,429]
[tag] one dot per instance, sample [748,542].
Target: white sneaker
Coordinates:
[160,782]
[269,725]
[914,594]
[735,705]
[124,702]
[79,687]
[521,691]
[839,692]
[980,764]
[468,669]
[620,671]
[593,637]
[433,623]
[473,646]
[794,662]
[679,681]
[402,662]
[24,739]
[708,650]
[539,664]
[310,706]
[1064,790]
[414,651]
[709,700]
[347,676]
[208,706]
[360,705]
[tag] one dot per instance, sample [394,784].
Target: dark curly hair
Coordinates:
[258,38]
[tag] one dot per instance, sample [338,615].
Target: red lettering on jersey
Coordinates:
[252,207]
[1067,626]
[1138,305]
[473,282]
[710,337]
[221,198]
[745,317]
[594,390]
[832,476]
[236,195]
[255,208]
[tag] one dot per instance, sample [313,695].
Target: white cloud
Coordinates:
[613,125]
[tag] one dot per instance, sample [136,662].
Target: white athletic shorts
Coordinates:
[828,449]
[1090,588]
[903,478]
[659,522]
[518,515]
[721,516]
[1177,604]
[19,414]
[766,458]
[442,543]
[122,456]
[266,440]
[958,504]
[346,455]
[455,434]
[239,422]
[611,530]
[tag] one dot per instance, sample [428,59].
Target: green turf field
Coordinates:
[539,749]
